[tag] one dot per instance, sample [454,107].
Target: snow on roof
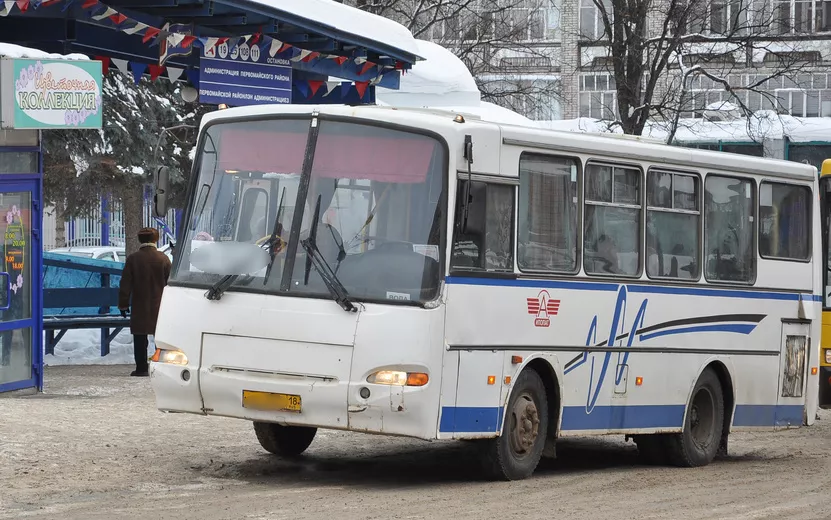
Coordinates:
[763,125]
[440,79]
[8,50]
[347,19]
[443,82]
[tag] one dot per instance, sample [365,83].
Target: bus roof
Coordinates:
[631,147]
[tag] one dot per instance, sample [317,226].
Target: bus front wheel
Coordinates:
[699,441]
[514,455]
[285,441]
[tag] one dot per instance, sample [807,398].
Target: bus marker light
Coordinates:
[398,378]
[516,360]
[417,379]
[491,380]
[814,371]
[174,357]
[507,380]
[638,381]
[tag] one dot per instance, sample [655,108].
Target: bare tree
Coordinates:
[496,39]
[659,48]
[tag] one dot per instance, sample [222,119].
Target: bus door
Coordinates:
[795,354]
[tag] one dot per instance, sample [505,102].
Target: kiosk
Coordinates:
[38,92]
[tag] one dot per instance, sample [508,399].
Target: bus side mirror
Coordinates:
[161,185]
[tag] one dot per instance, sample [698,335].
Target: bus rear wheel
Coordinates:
[514,455]
[699,441]
[285,441]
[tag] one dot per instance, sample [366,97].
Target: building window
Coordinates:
[591,19]
[802,16]
[598,97]
[612,220]
[547,226]
[718,17]
[485,241]
[729,255]
[672,225]
[784,221]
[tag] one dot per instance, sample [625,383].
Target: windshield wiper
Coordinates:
[218,289]
[330,279]
[274,239]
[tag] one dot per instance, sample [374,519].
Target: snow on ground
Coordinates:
[83,347]
[9,50]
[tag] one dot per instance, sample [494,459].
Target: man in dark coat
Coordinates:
[144,277]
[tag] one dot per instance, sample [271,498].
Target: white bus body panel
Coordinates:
[300,346]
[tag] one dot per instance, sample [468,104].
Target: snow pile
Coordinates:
[83,347]
[443,82]
[9,50]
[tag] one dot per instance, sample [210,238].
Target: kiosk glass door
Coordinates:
[18,267]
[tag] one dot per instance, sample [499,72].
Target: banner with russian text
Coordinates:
[50,94]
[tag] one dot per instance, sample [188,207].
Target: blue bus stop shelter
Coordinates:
[237,52]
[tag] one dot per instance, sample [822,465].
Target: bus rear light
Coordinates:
[397,378]
[174,357]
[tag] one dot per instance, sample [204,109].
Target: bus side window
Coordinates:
[547,226]
[672,225]
[487,241]
[729,254]
[784,221]
[612,220]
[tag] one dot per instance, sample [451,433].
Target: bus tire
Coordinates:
[514,455]
[699,441]
[285,441]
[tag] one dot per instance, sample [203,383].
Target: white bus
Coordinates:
[431,275]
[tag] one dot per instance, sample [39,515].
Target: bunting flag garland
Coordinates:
[121,65]
[105,15]
[105,64]
[173,74]
[155,72]
[361,86]
[330,86]
[314,86]
[138,71]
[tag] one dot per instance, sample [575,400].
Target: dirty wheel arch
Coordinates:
[514,455]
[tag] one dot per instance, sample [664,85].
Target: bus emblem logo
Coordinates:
[543,307]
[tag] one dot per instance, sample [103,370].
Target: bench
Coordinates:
[81,293]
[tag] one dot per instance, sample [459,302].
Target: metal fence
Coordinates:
[105,226]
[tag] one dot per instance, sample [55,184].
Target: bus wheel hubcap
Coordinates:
[526,424]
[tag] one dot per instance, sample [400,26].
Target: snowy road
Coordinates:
[94,447]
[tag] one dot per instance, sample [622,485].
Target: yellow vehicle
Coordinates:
[825,335]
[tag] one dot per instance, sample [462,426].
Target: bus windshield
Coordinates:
[371,198]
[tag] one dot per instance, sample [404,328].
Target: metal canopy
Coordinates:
[67,26]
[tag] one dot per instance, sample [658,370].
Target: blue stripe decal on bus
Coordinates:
[737,328]
[623,417]
[768,415]
[470,419]
[643,289]
[489,419]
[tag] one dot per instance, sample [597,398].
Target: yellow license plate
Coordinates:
[268,402]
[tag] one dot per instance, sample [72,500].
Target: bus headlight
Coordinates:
[397,378]
[828,356]
[172,356]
